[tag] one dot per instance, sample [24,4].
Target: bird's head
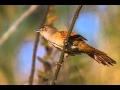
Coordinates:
[46,30]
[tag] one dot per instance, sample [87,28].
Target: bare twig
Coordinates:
[15,25]
[35,50]
[65,43]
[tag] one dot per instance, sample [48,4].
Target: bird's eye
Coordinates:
[43,29]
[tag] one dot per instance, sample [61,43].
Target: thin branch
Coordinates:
[15,25]
[65,43]
[35,50]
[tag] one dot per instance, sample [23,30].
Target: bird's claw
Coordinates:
[65,42]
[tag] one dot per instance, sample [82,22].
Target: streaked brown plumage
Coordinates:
[76,44]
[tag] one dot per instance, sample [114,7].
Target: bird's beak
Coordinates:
[37,30]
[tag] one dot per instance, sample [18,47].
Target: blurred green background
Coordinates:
[100,24]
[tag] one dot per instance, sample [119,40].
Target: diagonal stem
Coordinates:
[65,43]
[35,50]
[16,24]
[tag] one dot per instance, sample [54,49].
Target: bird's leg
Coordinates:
[65,42]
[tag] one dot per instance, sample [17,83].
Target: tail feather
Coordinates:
[102,58]
[96,54]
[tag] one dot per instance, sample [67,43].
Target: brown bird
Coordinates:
[76,44]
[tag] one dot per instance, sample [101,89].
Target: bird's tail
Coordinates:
[101,57]
[96,54]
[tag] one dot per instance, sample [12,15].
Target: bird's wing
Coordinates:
[72,36]
[58,38]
